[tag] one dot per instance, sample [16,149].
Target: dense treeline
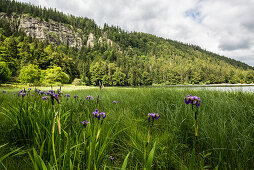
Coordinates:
[116,58]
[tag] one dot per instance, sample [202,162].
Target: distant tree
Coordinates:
[5,73]
[30,74]
[119,78]
[55,75]
[97,72]
[250,78]
[147,78]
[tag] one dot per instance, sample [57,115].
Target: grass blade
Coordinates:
[150,157]
[125,162]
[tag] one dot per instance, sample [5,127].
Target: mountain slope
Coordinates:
[46,37]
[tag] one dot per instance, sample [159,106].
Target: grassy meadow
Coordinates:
[42,134]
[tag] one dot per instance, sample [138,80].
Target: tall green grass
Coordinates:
[53,137]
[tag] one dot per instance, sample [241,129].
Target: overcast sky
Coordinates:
[225,27]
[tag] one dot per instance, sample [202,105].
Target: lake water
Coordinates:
[244,88]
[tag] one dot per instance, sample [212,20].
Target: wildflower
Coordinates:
[194,100]
[103,114]
[89,97]
[153,116]
[98,115]
[67,95]
[115,102]
[76,96]
[55,97]
[197,101]
[23,94]
[111,158]
[29,89]
[41,92]
[4,91]
[49,92]
[85,123]
[45,98]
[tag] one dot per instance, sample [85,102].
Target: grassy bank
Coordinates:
[58,140]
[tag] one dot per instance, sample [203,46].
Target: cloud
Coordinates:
[230,44]
[224,27]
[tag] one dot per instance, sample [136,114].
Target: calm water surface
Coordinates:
[244,88]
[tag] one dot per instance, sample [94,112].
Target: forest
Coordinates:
[117,58]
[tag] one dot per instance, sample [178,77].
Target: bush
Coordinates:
[77,82]
[30,74]
[55,75]
[5,73]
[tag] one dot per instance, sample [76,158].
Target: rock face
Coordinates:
[52,31]
[91,40]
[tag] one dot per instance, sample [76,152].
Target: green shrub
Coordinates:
[77,82]
[5,72]
[55,75]
[30,74]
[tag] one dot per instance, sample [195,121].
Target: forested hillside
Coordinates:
[45,46]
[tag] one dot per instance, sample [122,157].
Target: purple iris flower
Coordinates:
[41,92]
[103,114]
[67,95]
[153,116]
[89,97]
[115,102]
[194,100]
[75,96]
[50,92]
[23,94]
[45,98]
[85,123]
[55,96]
[98,115]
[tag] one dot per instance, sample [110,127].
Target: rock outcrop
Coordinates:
[91,40]
[52,31]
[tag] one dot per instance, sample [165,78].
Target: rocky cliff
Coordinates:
[51,31]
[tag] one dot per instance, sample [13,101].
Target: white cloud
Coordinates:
[225,27]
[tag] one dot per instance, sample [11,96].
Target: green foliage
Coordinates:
[77,82]
[250,78]
[5,72]
[124,166]
[119,78]
[97,72]
[150,158]
[147,78]
[55,75]
[30,74]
